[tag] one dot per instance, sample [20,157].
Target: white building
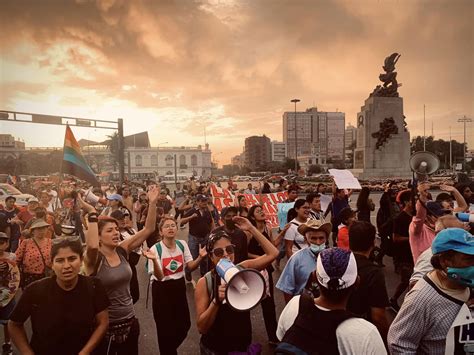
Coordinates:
[314,131]
[278,151]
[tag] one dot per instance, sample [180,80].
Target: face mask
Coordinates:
[229,224]
[317,248]
[464,276]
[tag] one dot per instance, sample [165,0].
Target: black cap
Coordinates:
[226,210]
[201,197]
[117,214]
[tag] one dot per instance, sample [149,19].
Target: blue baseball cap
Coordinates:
[114,197]
[456,239]
[436,209]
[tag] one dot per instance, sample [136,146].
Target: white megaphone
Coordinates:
[90,197]
[245,287]
[424,164]
[465,217]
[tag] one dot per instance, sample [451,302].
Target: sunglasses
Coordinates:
[219,252]
[70,238]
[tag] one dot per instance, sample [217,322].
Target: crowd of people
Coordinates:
[77,249]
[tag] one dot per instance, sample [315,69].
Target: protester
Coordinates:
[423,264]
[370,298]
[28,213]
[127,232]
[430,308]
[10,212]
[339,201]
[258,219]
[6,258]
[127,199]
[292,195]
[45,201]
[223,329]
[298,272]
[266,189]
[402,256]
[164,202]
[34,254]
[423,223]
[200,225]
[294,241]
[347,217]
[237,236]
[106,257]
[166,261]
[465,190]
[365,205]
[250,189]
[140,207]
[68,311]
[322,325]
[314,201]
[114,203]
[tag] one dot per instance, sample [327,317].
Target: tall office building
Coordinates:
[258,152]
[349,141]
[278,151]
[314,130]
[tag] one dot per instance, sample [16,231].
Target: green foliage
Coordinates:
[439,147]
[315,169]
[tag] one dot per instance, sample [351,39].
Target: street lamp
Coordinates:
[157,154]
[296,138]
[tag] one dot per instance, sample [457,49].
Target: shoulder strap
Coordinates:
[159,249]
[180,245]
[123,252]
[210,289]
[42,257]
[98,263]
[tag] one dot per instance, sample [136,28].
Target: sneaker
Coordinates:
[394,305]
[7,349]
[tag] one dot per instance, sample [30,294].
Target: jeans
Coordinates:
[129,347]
[194,245]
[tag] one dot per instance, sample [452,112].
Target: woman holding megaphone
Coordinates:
[225,329]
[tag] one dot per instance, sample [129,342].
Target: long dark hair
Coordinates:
[363,199]
[251,214]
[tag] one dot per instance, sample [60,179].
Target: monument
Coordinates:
[383,141]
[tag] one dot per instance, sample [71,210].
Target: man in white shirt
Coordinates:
[322,325]
[250,190]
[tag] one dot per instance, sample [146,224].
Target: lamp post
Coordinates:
[296,138]
[157,154]
[464,120]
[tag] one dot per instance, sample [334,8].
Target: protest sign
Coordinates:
[344,179]
[222,197]
[283,209]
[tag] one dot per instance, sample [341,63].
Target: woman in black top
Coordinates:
[258,218]
[364,205]
[68,311]
[223,329]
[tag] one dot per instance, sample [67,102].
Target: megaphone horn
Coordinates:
[424,163]
[245,287]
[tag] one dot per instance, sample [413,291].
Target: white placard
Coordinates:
[344,179]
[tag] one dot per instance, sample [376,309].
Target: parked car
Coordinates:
[8,190]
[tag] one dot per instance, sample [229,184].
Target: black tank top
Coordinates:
[231,331]
[314,330]
[255,248]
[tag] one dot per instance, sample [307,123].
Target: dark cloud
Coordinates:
[250,57]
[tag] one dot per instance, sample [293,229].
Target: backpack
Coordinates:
[101,257]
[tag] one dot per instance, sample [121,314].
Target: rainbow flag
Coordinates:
[73,160]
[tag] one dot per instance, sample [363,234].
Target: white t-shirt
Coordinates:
[171,262]
[354,335]
[293,235]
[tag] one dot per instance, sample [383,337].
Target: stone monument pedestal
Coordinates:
[383,142]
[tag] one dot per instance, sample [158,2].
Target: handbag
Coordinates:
[47,270]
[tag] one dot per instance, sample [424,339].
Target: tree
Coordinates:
[439,147]
[290,164]
[315,169]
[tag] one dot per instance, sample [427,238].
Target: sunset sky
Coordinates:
[173,67]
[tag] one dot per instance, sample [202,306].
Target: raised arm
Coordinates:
[269,249]
[461,202]
[153,258]
[92,236]
[150,223]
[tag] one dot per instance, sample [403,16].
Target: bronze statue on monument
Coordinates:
[389,78]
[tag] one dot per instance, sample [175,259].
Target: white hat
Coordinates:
[336,269]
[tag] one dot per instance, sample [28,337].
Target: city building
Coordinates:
[278,151]
[315,131]
[7,141]
[349,142]
[238,160]
[258,152]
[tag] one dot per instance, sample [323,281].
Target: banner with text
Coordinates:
[222,197]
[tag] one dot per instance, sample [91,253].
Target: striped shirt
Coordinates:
[423,322]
